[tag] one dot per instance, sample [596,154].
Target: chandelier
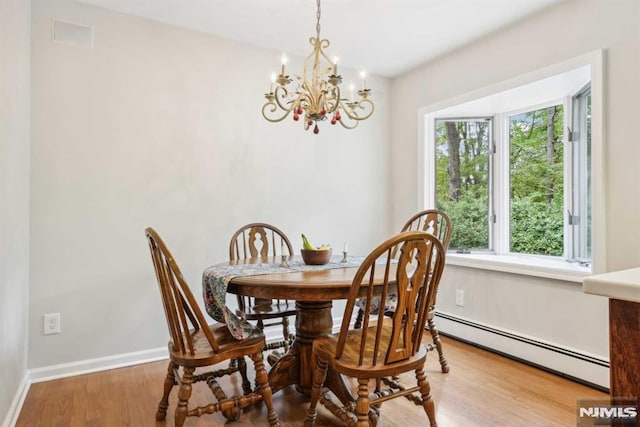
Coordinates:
[316,96]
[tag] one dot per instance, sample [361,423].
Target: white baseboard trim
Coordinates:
[575,364]
[18,400]
[94,365]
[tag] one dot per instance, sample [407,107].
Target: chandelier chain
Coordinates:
[318,21]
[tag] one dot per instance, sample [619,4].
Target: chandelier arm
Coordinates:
[367,105]
[267,112]
[281,94]
[348,120]
[353,114]
[332,106]
[348,126]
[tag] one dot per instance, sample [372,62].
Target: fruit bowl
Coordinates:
[315,257]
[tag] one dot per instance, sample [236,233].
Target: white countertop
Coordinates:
[622,285]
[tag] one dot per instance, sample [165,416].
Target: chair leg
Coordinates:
[265,389]
[362,404]
[444,364]
[242,368]
[285,333]
[183,396]
[425,392]
[169,382]
[319,376]
[359,318]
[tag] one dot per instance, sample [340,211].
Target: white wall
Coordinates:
[160,126]
[14,199]
[548,310]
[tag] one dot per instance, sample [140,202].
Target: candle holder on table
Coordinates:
[344,252]
[284,263]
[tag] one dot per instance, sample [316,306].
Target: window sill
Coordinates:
[551,268]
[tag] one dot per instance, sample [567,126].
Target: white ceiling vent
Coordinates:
[72,34]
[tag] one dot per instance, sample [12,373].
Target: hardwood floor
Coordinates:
[482,389]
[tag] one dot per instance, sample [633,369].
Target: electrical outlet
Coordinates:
[459,297]
[51,323]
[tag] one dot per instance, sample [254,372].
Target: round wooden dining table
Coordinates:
[314,293]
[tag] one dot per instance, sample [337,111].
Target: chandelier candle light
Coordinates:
[316,97]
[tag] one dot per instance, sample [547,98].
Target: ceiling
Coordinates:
[384,37]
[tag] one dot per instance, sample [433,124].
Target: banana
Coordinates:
[306,244]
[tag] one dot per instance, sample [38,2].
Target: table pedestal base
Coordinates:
[313,319]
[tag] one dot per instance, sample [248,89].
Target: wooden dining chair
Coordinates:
[383,347]
[196,344]
[437,223]
[260,240]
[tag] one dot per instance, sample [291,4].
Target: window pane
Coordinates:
[587,166]
[536,178]
[462,179]
[581,225]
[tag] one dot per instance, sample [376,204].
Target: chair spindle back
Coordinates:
[432,221]
[183,314]
[416,275]
[258,240]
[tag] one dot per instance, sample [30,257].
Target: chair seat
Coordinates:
[349,365]
[228,347]
[267,311]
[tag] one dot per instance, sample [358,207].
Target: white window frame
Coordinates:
[490,171]
[542,266]
[578,203]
